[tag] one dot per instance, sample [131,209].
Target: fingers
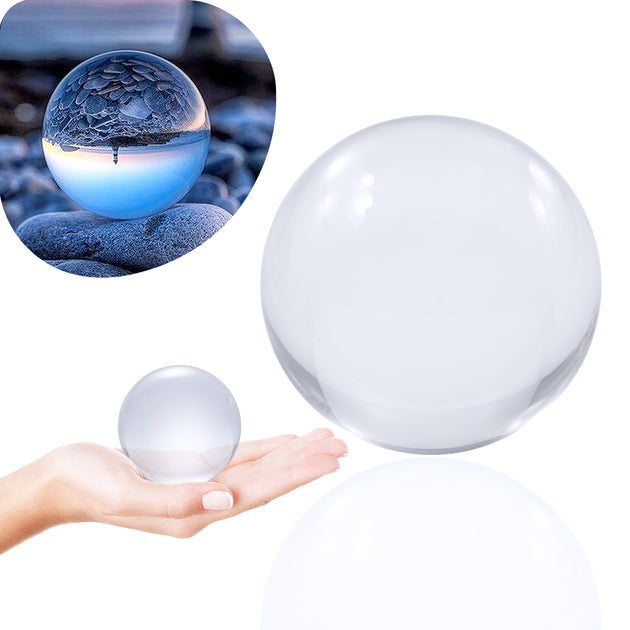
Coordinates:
[301,473]
[314,436]
[249,451]
[329,446]
[284,469]
[177,501]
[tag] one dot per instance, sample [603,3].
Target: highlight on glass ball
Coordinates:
[431,543]
[117,162]
[430,283]
[126,134]
[179,424]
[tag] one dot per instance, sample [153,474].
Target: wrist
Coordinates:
[46,490]
[28,499]
[57,494]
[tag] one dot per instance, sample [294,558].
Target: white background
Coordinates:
[553,73]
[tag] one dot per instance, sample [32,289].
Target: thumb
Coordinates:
[178,500]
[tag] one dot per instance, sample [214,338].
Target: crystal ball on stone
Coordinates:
[126,134]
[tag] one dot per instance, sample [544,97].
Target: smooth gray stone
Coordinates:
[116,68]
[241,193]
[89,268]
[252,137]
[256,160]
[82,96]
[96,83]
[207,189]
[231,116]
[95,104]
[12,148]
[241,177]
[155,100]
[136,245]
[66,99]
[136,108]
[14,212]
[229,204]
[224,158]
[29,204]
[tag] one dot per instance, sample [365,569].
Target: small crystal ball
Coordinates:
[179,424]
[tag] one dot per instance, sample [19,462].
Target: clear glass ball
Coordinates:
[179,424]
[433,544]
[430,283]
[126,134]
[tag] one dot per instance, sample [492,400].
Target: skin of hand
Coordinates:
[92,483]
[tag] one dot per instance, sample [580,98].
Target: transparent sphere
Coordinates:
[430,544]
[430,283]
[126,134]
[179,424]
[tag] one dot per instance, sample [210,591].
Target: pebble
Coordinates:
[136,108]
[90,268]
[35,151]
[31,204]
[135,245]
[241,177]
[256,159]
[240,194]
[231,116]
[230,204]
[207,189]
[252,137]
[12,149]
[224,158]
[14,213]
[5,182]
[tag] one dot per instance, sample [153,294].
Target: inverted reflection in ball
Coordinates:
[430,283]
[179,424]
[126,134]
[430,544]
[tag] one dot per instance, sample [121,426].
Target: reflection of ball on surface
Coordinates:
[430,283]
[126,134]
[430,544]
[179,424]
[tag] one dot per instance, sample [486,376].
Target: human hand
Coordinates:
[95,483]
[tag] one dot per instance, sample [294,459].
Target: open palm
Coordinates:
[97,483]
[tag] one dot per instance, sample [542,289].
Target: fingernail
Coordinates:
[217,500]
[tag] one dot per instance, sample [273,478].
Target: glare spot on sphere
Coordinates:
[179,424]
[430,283]
[126,134]
[433,544]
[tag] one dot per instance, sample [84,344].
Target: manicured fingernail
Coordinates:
[217,500]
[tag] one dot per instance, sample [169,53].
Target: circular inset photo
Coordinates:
[130,133]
